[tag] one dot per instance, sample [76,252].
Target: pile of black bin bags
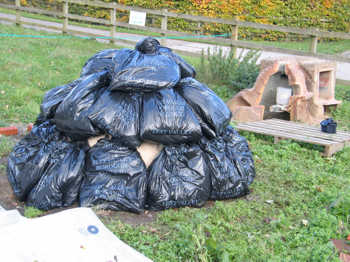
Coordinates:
[146,94]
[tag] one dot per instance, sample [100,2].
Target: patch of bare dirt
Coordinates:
[7,198]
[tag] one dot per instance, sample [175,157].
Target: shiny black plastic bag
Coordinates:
[186,69]
[53,99]
[166,118]
[231,163]
[61,178]
[178,177]
[101,61]
[115,178]
[72,114]
[210,108]
[29,158]
[145,69]
[117,114]
[237,147]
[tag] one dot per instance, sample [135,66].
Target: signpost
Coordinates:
[137,18]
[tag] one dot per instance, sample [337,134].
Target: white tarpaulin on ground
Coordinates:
[75,235]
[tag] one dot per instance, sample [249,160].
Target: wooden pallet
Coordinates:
[282,129]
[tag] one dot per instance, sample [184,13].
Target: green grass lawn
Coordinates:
[298,202]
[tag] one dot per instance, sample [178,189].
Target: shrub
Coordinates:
[236,74]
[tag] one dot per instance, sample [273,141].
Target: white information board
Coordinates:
[137,18]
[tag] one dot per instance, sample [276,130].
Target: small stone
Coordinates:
[305,222]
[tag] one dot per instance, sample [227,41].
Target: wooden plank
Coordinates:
[285,135]
[32,23]
[279,128]
[164,27]
[234,37]
[316,133]
[152,29]
[89,19]
[88,3]
[313,45]
[331,149]
[294,130]
[301,126]
[31,10]
[66,17]
[42,25]
[113,15]
[12,7]
[309,134]
[8,19]
[40,11]
[18,14]
[115,5]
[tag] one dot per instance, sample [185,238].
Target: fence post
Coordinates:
[313,46]
[164,26]
[234,37]
[65,14]
[113,24]
[18,13]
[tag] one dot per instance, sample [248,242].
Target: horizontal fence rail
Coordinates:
[315,34]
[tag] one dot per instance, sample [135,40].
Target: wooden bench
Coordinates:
[282,129]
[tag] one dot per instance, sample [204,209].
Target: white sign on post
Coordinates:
[137,18]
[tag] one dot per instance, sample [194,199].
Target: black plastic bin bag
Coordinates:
[231,164]
[115,178]
[205,103]
[117,114]
[104,60]
[29,158]
[145,70]
[53,99]
[186,69]
[178,177]
[72,114]
[167,119]
[237,147]
[61,179]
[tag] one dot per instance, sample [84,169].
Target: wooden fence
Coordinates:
[315,34]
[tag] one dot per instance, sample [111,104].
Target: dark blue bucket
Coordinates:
[329,126]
